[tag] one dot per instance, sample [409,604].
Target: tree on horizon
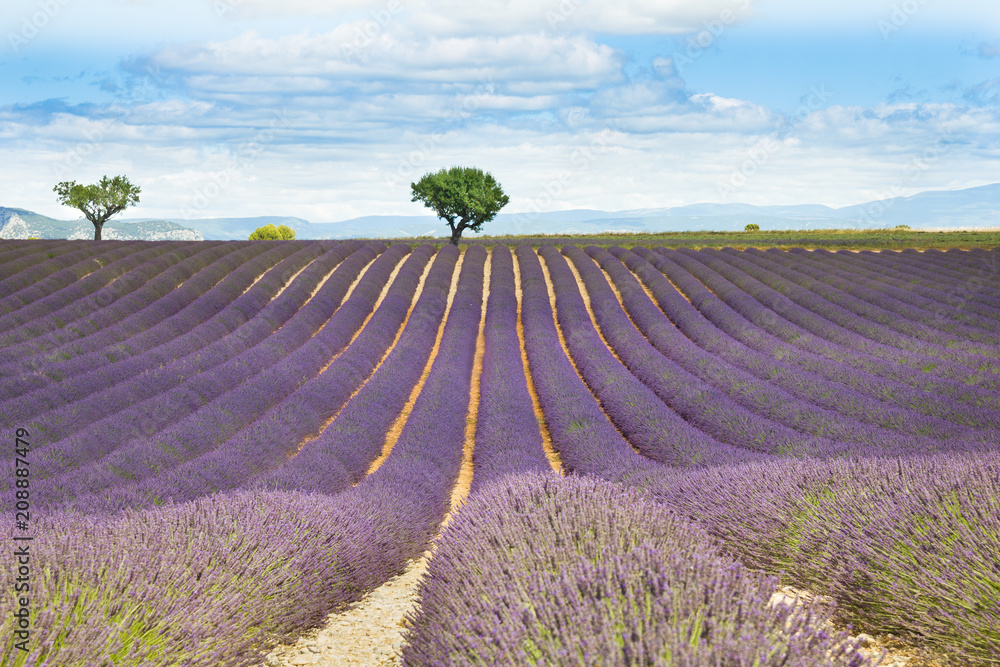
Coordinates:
[465,197]
[99,201]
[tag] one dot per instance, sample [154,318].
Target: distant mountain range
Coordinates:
[19,223]
[977,207]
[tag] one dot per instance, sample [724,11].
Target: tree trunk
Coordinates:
[456,234]
[97,230]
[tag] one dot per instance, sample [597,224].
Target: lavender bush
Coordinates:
[218,581]
[542,570]
[906,545]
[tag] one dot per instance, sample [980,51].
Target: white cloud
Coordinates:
[327,63]
[498,17]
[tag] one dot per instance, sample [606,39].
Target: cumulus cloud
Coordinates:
[399,60]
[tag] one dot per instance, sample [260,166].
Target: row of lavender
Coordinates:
[793,396]
[830,331]
[908,547]
[296,556]
[731,326]
[88,417]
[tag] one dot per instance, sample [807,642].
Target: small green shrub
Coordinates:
[272,233]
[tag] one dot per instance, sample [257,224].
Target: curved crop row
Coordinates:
[838,325]
[18,256]
[764,384]
[60,267]
[424,463]
[190,331]
[343,452]
[49,331]
[147,405]
[965,269]
[586,440]
[653,410]
[696,401]
[72,300]
[274,434]
[77,300]
[876,308]
[929,270]
[205,426]
[941,308]
[82,306]
[508,439]
[89,375]
[965,292]
[151,401]
[199,298]
[840,346]
[160,298]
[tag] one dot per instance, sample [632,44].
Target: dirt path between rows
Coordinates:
[550,451]
[371,631]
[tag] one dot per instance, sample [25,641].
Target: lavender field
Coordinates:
[634,448]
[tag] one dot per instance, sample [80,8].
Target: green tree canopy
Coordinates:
[752,227]
[272,233]
[465,197]
[100,201]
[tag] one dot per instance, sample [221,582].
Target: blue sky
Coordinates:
[328,110]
